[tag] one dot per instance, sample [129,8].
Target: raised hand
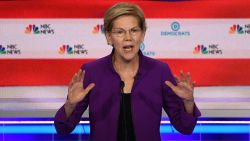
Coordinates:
[184,88]
[76,91]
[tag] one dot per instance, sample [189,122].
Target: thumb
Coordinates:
[170,84]
[90,87]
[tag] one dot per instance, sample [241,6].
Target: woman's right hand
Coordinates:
[76,91]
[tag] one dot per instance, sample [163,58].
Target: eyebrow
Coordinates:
[124,29]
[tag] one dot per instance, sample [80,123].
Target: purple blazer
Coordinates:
[149,96]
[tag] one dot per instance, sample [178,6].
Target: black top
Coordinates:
[125,129]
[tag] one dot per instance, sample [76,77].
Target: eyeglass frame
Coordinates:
[132,31]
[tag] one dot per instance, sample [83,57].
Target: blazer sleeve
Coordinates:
[174,106]
[66,126]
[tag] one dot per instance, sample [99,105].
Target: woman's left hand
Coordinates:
[184,88]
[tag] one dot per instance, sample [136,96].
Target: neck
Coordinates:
[126,68]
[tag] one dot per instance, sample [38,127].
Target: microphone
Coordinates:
[122,84]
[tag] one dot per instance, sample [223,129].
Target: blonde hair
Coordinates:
[121,9]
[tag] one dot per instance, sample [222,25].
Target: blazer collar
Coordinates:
[143,67]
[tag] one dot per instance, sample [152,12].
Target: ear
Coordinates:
[108,38]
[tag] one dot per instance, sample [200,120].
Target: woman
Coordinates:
[126,91]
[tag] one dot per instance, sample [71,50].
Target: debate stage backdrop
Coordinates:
[43,43]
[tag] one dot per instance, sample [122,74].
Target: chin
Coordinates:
[129,57]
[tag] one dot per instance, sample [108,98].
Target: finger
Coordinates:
[193,84]
[71,86]
[79,75]
[177,79]
[183,78]
[71,83]
[189,77]
[90,87]
[170,84]
[74,78]
[82,76]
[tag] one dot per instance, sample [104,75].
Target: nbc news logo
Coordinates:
[9,49]
[239,29]
[210,49]
[75,49]
[42,29]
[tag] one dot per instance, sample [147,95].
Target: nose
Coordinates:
[128,35]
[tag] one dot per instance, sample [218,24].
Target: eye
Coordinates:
[119,32]
[136,30]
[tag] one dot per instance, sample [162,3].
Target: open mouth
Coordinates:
[128,47]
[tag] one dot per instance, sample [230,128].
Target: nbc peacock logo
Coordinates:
[99,28]
[65,49]
[2,50]
[32,29]
[236,28]
[39,29]
[76,49]
[211,49]
[200,49]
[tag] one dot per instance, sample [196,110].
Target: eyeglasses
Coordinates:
[119,32]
